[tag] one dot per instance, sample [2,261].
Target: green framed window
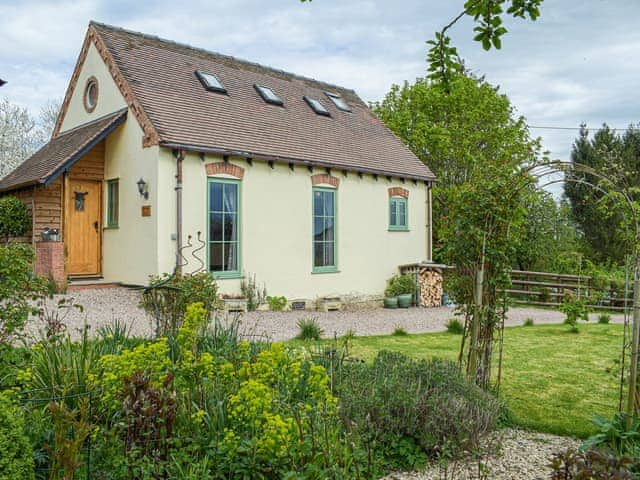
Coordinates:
[113,203]
[398,213]
[324,230]
[224,227]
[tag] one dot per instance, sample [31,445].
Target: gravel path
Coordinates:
[104,305]
[523,456]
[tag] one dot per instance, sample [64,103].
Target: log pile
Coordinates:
[430,287]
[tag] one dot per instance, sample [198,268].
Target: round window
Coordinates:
[91,94]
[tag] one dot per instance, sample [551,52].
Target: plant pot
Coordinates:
[390,302]
[405,300]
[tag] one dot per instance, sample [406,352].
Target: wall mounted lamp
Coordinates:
[143,188]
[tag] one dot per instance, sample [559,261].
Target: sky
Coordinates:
[578,63]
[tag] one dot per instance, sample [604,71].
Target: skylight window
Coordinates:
[210,82]
[338,101]
[267,94]
[317,107]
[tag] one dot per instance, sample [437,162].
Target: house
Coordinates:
[167,156]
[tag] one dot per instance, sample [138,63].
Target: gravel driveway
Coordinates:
[104,305]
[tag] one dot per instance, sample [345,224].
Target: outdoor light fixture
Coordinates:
[143,188]
[2,82]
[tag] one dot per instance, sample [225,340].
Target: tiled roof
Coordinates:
[61,152]
[161,75]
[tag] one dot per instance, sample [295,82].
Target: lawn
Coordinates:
[553,380]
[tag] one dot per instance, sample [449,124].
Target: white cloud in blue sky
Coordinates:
[577,63]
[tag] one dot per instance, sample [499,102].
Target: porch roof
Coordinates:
[61,152]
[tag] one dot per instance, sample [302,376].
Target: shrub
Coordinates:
[604,318]
[400,285]
[455,326]
[309,329]
[615,436]
[14,218]
[528,322]
[277,304]
[399,332]
[19,290]
[409,411]
[16,453]
[167,297]
[250,290]
[574,309]
[591,464]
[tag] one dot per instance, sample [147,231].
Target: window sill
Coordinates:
[398,229]
[111,227]
[226,275]
[325,270]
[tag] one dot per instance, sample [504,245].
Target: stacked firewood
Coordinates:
[430,287]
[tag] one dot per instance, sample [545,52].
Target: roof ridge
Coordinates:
[99,119]
[218,54]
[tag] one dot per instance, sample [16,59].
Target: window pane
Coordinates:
[402,214]
[329,254]
[215,227]
[317,203]
[230,256]
[230,227]
[328,204]
[215,257]
[215,197]
[328,228]
[230,198]
[318,250]
[392,213]
[318,229]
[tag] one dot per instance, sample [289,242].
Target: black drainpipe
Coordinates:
[179,155]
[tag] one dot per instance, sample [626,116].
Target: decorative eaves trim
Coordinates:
[151,136]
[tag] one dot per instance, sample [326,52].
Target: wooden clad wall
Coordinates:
[91,166]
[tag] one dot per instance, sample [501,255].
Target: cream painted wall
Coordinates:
[276,228]
[109,97]
[129,252]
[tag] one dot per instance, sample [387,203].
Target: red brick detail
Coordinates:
[324,178]
[398,192]
[50,262]
[226,169]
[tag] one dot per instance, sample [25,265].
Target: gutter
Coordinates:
[296,161]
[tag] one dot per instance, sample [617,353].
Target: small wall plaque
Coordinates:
[146,210]
[298,305]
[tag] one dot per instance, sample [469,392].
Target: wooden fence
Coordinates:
[547,289]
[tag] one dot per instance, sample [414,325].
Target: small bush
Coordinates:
[309,329]
[455,326]
[574,309]
[604,318]
[277,304]
[591,464]
[14,218]
[528,322]
[252,292]
[16,454]
[167,297]
[399,332]
[410,411]
[400,285]
[615,436]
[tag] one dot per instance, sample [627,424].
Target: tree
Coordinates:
[21,134]
[456,132]
[618,155]
[14,218]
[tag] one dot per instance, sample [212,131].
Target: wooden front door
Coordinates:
[83,226]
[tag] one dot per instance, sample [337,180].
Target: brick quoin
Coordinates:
[226,169]
[50,262]
[324,178]
[398,192]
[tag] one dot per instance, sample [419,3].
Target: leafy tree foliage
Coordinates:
[457,132]
[601,220]
[14,218]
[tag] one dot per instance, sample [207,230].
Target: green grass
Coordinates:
[553,380]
